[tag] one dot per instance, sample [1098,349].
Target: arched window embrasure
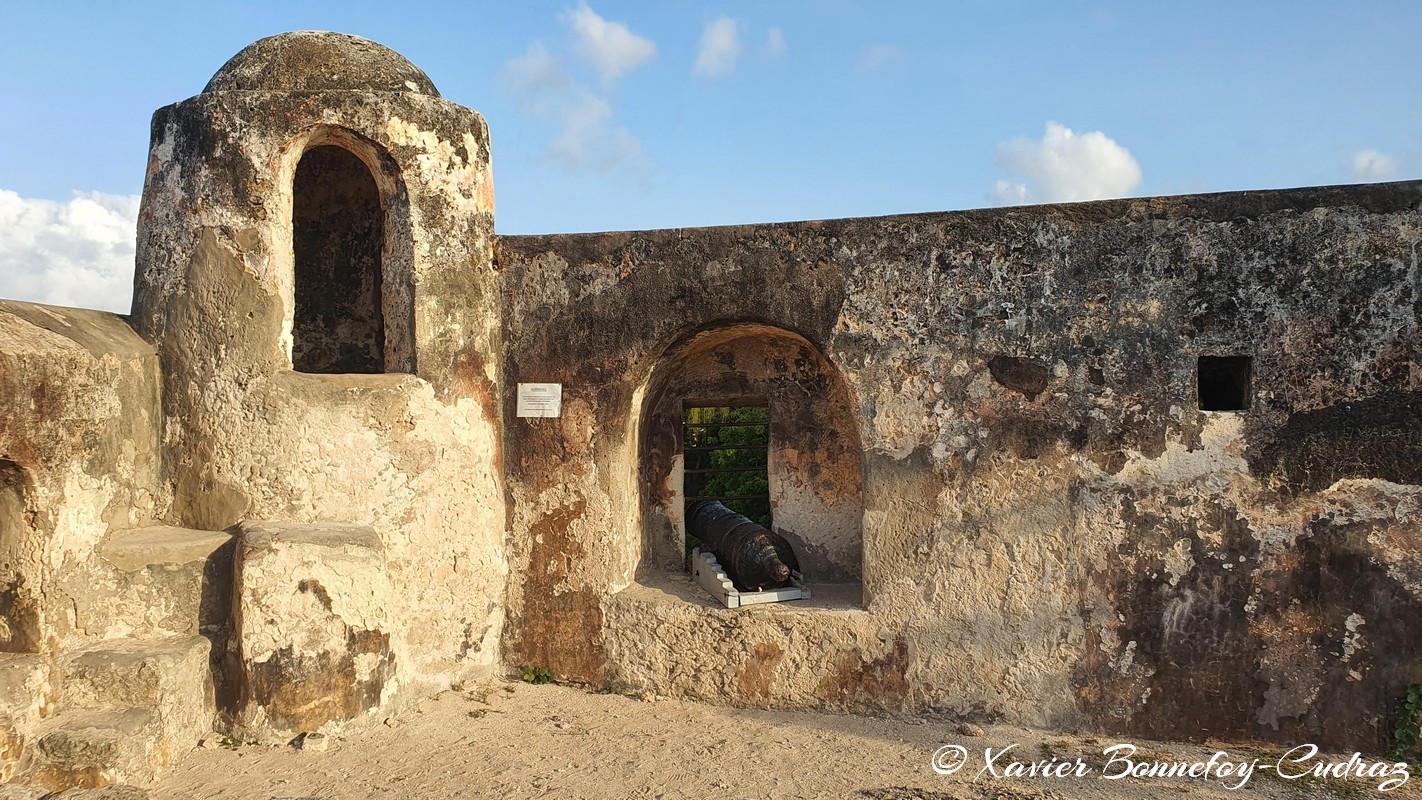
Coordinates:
[341,248]
[757,417]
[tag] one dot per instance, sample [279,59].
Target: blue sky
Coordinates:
[615,115]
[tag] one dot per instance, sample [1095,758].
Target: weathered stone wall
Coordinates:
[79,456]
[311,641]
[1054,533]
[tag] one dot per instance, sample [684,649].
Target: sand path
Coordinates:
[514,740]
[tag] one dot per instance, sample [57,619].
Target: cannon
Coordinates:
[755,559]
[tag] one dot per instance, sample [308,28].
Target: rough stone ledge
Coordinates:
[134,550]
[169,673]
[267,535]
[15,791]
[98,748]
[681,590]
[26,692]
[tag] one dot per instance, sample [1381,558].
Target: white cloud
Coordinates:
[543,85]
[535,77]
[1007,193]
[587,136]
[720,47]
[775,43]
[611,47]
[78,253]
[1064,167]
[875,56]
[1370,166]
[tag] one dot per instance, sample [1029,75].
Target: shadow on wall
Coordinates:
[19,609]
[814,466]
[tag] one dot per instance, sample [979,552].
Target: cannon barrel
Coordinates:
[754,558]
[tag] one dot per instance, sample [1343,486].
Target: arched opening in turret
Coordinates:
[338,239]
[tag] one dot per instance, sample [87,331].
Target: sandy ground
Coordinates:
[514,740]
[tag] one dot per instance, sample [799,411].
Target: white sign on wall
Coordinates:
[540,400]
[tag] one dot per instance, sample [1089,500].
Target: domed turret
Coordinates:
[314,260]
[307,61]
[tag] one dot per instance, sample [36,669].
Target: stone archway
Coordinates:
[815,463]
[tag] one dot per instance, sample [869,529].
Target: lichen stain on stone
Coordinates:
[552,546]
[302,692]
[1036,436]
[559,627]
[58,778]
[757,674]
[1376,437]
[878,682]
[1019,374]
[1339,574]
[1193,648]
[472,380]
[563,632]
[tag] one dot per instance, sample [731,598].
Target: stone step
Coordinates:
[171,675]
[98,748]
[26,693]
[26,697]
[159,580]
[311,629]
[14,791]
[127,708]
[161,545]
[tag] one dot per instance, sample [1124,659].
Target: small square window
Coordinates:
[1224,383]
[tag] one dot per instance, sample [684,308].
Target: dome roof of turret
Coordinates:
[303,61]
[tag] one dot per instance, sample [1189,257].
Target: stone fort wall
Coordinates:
[1053,531]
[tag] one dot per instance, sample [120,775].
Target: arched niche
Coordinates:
[352,295]
[19,612]
[815,459]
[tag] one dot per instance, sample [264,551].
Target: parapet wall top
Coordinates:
[311,61]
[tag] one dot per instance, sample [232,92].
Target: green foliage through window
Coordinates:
[727,451]
[1406,732]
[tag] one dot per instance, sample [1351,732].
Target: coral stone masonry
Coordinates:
[1147,466]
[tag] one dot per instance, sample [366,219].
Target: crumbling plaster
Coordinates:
[79,423]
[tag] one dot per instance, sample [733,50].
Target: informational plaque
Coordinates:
[540,400]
